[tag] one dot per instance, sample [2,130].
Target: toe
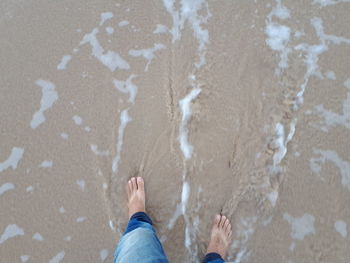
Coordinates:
[217,220]
[128,189]
[230,234]
[130,185]
[140,183]
[133,182]
[228,227]
[227,223]
[223,221]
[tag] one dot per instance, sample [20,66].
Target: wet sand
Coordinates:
[238,107]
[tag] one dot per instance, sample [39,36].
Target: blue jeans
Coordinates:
[140,244]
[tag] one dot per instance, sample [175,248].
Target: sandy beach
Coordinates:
[233,107]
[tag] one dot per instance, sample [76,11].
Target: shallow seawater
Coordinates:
[233,107]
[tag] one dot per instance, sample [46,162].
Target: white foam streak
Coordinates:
[110,59]
[332,156]
[49,97]
[148,53]
[279,35]
[324,3]
[13,160]
[58,258]
[312,53]
[281,142]
[38,237]
[302,226]
[46,164]
[160,29]
[77,119]
[279,11]
[11,231]
[64,62]
[104,254]
[124,120]
[123,23]
[95,150]
[105,16]
[189,13]
[127,87]
[24,258]
[186,148]
[332,119]
[184,196]
[245,229]
[6,187]
[341,227]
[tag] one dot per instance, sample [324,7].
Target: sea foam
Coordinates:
[148,53]
[185,146]
[124,120]
[13,160]
[49,97]
[11,231]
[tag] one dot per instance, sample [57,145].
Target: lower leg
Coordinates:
[139,242]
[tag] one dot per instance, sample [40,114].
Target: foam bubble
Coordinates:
[341,227]
[38,237]
[330,75]
[24,258]
[64,135]
[347,83]
[81,219]
[77,119]
[29,189]
[46,164]
[109,30]
[81,184]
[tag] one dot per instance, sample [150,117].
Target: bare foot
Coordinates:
[221,236]
[136,195]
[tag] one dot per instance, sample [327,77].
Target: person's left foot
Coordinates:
[136,195]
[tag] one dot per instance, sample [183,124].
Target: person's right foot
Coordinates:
[221,236]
